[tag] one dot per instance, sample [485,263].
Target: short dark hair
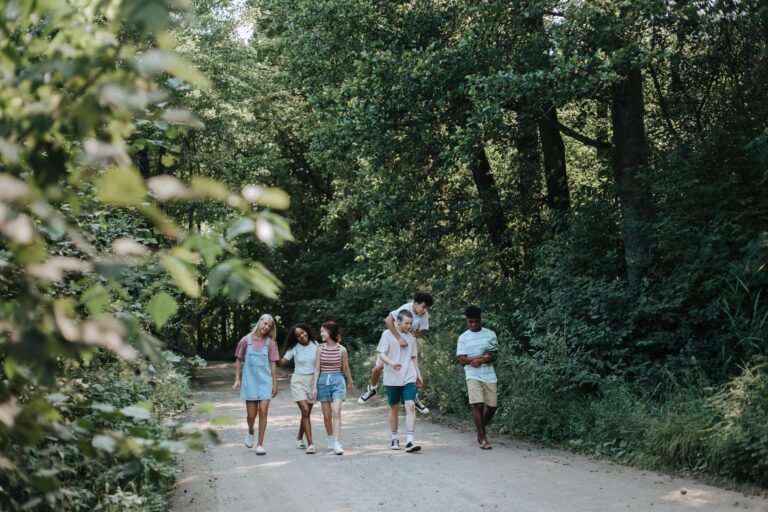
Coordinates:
[422,297]
[404,312]
[472,311]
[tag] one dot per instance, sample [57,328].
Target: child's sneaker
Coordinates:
[337,449]
[395,444]
[423,409]
[369,392]
[412,447]
[248,441]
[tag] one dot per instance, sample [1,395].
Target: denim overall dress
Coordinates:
[256,383]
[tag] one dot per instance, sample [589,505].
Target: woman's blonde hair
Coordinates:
[272,331]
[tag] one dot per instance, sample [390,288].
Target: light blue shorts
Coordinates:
[331,386]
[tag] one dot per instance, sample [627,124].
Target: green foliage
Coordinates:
[738,434]
[94,260]
[113,445]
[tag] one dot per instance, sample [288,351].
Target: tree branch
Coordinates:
[599,144]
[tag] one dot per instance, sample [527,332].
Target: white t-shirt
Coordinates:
[420,322]
[475,344]
[389,346]
[305,357]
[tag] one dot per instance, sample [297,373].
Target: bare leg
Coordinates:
[410,415]
[305,428]
[479,416]
[488,415]
[327,418]
[376,375]
[251,407]
[263,413]
[337,418]
[393,420]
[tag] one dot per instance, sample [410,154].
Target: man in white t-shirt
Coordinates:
[401,374]
[476,351]
[422,301]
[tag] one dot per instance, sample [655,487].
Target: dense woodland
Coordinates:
[593,174]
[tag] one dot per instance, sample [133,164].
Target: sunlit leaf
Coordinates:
[136,412]
[104,443]
[11,188]
[267,196]
[206,408]
[181,274]
[166,187]
[161,308]
[207,187]
[96,299]
[121,186]
[224,421]
[128,247]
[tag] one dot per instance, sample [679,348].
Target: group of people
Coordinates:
[322,373]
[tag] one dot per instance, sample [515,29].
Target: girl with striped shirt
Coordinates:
[328,383]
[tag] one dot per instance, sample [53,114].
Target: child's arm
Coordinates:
[273,367]
[419,380]
[238,363]
[390,321]
[345,366]
[315,375]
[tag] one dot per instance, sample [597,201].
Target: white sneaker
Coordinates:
[300,444]
[248,441]
[260,450]
[423,409]
[311,449]
[337,449]
[330,443]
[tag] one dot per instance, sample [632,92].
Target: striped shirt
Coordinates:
[330,359]
[476,344]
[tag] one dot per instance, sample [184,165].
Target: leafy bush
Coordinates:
[738,435]
[113,445]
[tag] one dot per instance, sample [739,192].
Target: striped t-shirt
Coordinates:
[475,344]
[330,359]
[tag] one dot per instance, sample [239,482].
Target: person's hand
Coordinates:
[397,366]
[402,341]
[236,385]
[312,394]
[274,390]
[419,382]
[476,363]
[350,386]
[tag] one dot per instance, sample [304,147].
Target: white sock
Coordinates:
[395,435]
[409,437]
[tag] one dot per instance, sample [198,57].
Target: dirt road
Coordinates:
[450,474]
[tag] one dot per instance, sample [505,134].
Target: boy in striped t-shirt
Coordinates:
[475,352]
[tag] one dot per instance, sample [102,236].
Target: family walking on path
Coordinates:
[321,372]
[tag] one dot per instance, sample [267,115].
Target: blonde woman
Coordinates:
[256,355]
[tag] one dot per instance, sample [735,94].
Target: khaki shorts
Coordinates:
[301,384]
[481,392]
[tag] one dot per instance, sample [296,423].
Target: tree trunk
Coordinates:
[529,159]
[492,211]
[142,162]
[630,159]
[553,149]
